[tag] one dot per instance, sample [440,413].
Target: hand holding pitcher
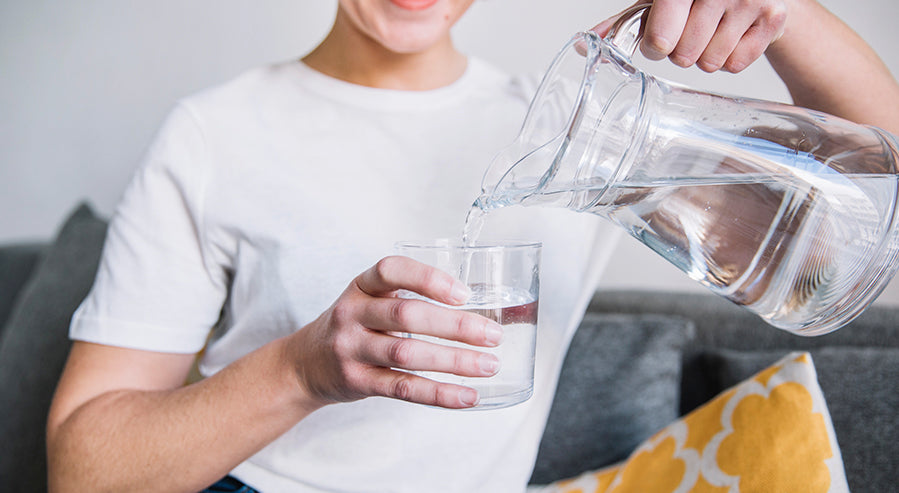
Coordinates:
[714,35]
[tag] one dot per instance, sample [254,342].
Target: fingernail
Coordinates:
[468,397]
[488,363]
[460,292]
[493,333]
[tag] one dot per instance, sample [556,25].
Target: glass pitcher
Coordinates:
[787,211]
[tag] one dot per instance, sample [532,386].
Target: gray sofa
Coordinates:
[639,360]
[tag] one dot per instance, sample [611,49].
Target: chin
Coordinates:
[404,26]
[415,33]
[411,44]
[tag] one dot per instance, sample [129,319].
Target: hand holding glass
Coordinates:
[504,282]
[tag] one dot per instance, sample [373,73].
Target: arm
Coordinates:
[121,420]
[828,67]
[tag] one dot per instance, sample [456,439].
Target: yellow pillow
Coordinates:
[770,433]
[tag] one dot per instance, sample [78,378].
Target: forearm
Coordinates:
[826,66]
[176,440]
[104,436]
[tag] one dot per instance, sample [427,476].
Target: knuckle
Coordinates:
[399,312]
[402,387]
[446,396]
[689,50]
[352,378]
[657,42]
[464,327]
[671,4]
[681,60]
[343,313]
[343,344]
[744,57]
[401,352]
[735,65]
[462,363]
[709,64]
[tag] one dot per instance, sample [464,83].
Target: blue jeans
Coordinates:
[229,485]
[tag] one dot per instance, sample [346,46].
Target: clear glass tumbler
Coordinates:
[504,278]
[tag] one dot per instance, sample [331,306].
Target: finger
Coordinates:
[414,354]
[702,27]
[421,317]
[749,49]
[394,273]
[413,388]
[664,26]
[603,27]
[729,33]
[752,45]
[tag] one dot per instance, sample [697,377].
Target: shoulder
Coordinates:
[203,126]
[245,90]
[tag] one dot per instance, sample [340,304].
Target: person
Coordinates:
[244,232]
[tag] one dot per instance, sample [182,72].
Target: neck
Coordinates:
[350,55]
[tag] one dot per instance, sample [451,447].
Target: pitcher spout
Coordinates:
[577,129]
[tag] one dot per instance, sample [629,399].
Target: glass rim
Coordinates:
[457,244]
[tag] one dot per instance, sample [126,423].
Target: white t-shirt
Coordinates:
[261,199]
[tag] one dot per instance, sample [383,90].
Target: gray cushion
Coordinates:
[619,385]
[35,344]
[860,387]
[721,324]
[16,264]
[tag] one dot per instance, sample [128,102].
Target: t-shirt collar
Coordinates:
[391,99]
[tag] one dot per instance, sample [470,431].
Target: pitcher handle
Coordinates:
[625,34]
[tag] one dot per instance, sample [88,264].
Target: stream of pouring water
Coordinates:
[474,223]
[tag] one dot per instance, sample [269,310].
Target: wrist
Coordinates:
[801,15]
[291,384]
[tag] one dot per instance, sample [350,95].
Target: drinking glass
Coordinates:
[504,278]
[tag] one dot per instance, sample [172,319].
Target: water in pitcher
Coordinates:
[783,248]
[780,250]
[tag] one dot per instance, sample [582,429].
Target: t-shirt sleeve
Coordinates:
[157,288]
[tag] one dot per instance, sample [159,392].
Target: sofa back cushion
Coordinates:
[618,385]
[16,265]
[34,346]
[721,324]
[857,368]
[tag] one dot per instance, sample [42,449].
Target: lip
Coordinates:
[413,4]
